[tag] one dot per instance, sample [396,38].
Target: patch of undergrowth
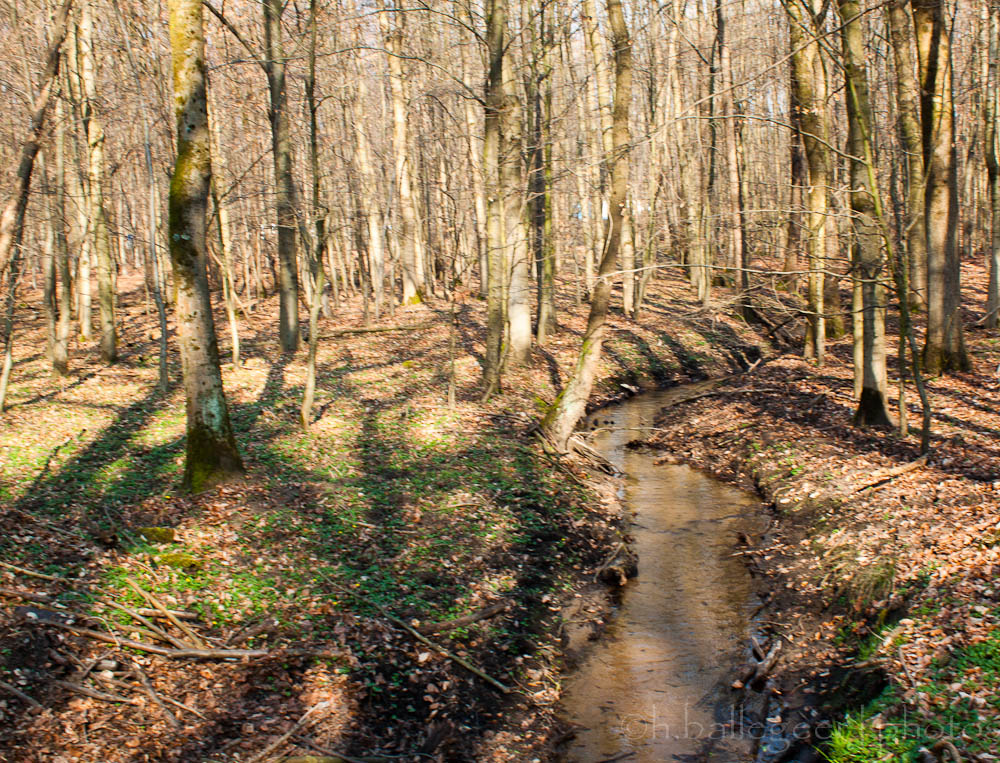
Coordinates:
[956,703]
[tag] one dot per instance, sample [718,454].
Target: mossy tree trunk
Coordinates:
[212,456]
[562,417]
[867,255]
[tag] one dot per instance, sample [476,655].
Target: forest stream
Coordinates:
[656,684]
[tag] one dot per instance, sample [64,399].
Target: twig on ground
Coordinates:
[619,756]
[30,573]
[377,329]
[16,593]
[152,600]
[460,622]
[125,685]
[20,695]
[307,742]
[300,723]
[151,692]
[611,557]
[423,639]
[150,625]
[94,694]
[195,654]
[887,475]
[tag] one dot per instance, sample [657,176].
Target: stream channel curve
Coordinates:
[655,687]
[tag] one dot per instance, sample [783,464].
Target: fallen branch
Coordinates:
[30,573]
[151,692]
[333,754]
[178,654]
[166,613]
[16,593]
[94,694]
[284,737]
[155,629]
[607,562]
[722,392]
[460,622]
[887,475]
[423,639]
[20,695]
[168,700]
[377,329]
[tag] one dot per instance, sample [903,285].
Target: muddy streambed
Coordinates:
[657,682]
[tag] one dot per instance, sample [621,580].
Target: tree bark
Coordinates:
[12,216]
[570,405]
[516,252]
[993,165]
[908,106]
[493,108]
[100,240]
[944,349]
[598,51]
[809,83]
[411,255]
[867,257]
[212,456]
[284,189]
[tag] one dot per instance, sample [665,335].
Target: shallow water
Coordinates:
[655,684]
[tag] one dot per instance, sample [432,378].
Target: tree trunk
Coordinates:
[993,166]
[809,83]
[944,349]
[12,216]
[212,456]
[598,51]
[64,319]
[369,197]
[411,254]
[516,251]
[284,189]
[569,407]
[493,109]
[908,107]
[225,247]
[868,261]
[101,243]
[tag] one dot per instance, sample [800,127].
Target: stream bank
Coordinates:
[882,567]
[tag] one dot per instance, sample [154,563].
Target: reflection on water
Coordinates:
[651,685]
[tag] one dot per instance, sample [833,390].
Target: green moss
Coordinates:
[181,560]
[158,534]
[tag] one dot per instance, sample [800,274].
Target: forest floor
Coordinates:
[394,513]
[882,568]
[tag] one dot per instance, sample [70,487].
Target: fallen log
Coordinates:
[377,330]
